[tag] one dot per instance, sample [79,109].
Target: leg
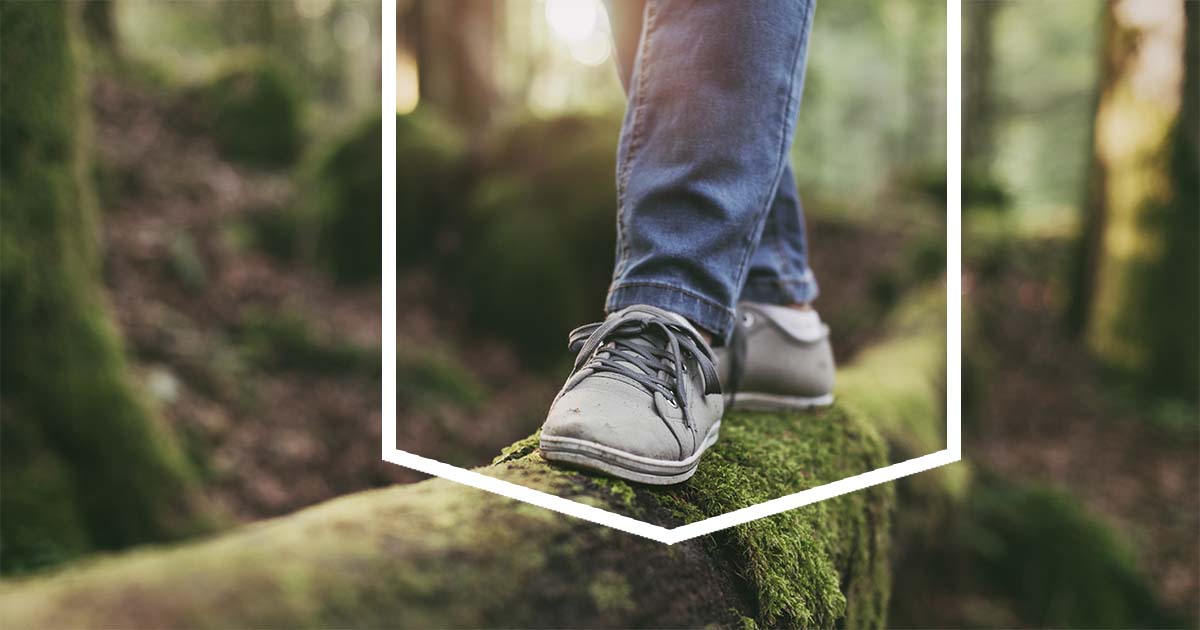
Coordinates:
[703,148]
[779,271]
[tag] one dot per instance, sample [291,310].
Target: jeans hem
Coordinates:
[701,311]
[791,290]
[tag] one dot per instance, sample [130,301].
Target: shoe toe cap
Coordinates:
[612,417]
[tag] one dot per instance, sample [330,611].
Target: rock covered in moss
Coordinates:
[256,112]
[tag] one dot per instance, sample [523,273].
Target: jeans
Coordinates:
[708,211]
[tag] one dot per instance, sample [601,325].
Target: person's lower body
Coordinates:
[707,214]
[708,211]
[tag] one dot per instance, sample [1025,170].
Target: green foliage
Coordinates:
[424,377]
[106,473]
[185,263]
[1058,564]
[538,247]
[982,191]
[431,184]
[849,141]
[1043,87]
[286,341]
[348,193]
[257,114]
[278,232]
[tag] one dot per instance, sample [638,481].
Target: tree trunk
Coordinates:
[85,462]
[454,46]
[99,21]
[437,554]
[1088,249]
[978,67]
[1139,279]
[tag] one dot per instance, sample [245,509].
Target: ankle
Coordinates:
[708,337]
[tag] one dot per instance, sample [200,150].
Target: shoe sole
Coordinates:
[754,401]
[618,463]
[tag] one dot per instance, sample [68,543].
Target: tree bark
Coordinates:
[978,66]
[99,21]
[454,49]
[86,464]
[437,554]
[1138,277]
[1088,249]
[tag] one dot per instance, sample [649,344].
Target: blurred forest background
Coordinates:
[1079,502]
[191,329]
[191,316]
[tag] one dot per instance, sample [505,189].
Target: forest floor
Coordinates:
[201,311]
[1050,415]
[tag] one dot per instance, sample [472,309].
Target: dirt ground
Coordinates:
[1049,414]
[270,441]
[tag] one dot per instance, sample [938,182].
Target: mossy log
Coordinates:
[440,554]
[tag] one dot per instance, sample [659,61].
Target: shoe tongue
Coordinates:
[654,310]
[649,341]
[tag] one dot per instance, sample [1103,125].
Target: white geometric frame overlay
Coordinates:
[952,453]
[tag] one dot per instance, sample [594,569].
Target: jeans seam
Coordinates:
[784,266]
[742,268]
[671,287]
[635,136]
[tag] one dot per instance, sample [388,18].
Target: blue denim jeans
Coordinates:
[708,211]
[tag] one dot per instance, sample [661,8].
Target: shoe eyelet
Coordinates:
[747,319]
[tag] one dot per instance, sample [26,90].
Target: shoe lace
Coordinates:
[627,346]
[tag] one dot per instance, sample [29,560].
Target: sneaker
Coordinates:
[779,359]
[643,402]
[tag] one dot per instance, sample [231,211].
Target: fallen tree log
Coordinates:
[439,554]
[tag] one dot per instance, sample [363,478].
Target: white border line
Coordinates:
[388,114]
[952,452]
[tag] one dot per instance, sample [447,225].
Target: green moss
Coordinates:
[622,492]
[794,562]
[610,593]
[257,112]
[40,532]
[85,430]
[519,450]
[1056,562]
